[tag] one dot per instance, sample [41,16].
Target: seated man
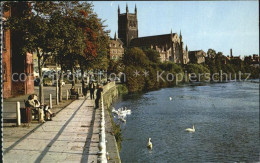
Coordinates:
[34,103]
[74,92]
[47,112]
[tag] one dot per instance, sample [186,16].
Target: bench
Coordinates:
[34,112]
[74,94]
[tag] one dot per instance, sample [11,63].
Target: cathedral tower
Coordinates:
[127,26]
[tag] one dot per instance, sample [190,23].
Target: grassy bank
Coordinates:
[122,89]
[116,131]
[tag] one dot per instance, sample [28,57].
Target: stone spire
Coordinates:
[118,10]
[135,9]
[186,48]
[127,8]
[180,36]
[115,38]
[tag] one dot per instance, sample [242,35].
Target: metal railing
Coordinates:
[102,143]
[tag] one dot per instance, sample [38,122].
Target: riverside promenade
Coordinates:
[72,136]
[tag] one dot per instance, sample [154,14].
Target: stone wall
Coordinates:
[110,93]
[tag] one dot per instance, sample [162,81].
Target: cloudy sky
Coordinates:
[219,25]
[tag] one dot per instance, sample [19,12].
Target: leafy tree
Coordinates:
[33,27]
[211,53]
[135,57]
[68,31]
[152,55]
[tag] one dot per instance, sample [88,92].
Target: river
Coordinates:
[225,116]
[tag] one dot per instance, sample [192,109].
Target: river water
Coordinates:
[225,116]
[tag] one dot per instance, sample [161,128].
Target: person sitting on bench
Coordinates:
[31,102]
[74,92]
[47,112]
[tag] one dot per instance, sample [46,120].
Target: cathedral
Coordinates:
[170,46]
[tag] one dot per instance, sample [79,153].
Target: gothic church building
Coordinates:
[170,46]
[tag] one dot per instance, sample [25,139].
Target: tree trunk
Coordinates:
[73,76]
[41,95]
[82,76]
[57,84]
[60,84]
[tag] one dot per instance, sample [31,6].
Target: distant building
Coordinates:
[253,61]
[116,49]
[170,46]
[233,57]
[197,56]
[17,68]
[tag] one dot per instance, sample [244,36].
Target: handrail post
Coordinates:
[18,114]
[81,90]
[67,95]
[50,101]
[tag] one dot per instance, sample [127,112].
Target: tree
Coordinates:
[135,57]
[67,31]
[153,55]
[211,53]
[33,26]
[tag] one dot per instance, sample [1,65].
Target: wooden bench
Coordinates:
[34,112]
[74,94]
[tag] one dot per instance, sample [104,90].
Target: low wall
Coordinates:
[110,93]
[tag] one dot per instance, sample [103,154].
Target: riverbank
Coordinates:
[110,94]
[123,89]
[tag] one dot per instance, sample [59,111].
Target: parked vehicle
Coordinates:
[37,81]
[54,83]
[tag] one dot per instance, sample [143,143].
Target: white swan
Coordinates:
[122,114]
[128,112]
[122,119]
[114,111]
[149,144]
[170,98]
[190,129]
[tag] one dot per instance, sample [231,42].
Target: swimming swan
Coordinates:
[190,129]
[149,144]
[170,98]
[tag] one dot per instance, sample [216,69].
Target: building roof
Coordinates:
[198,53]
[152,40]
[120,41]
[116,41]
[194,51]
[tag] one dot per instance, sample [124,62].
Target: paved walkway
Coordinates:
[72,136]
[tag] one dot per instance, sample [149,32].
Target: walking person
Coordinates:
[91,89]
[85,90]
[98,96]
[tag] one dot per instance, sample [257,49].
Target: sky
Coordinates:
[220,25]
